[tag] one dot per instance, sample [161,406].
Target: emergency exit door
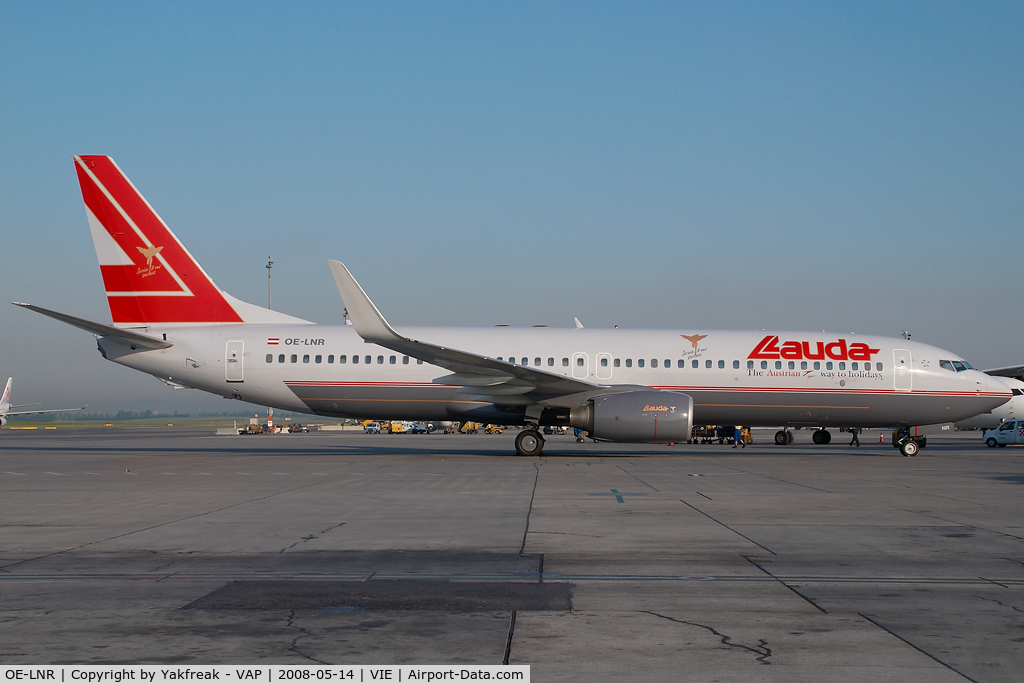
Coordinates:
[901,362]
[233,361]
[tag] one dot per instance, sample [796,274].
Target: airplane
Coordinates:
[629,386]
[5,406]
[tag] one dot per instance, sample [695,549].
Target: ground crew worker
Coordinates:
[737,437]
[855,441]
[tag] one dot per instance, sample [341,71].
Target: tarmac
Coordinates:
[598,562]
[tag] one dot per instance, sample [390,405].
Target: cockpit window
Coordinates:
[1017,392]
[960,367]
[946,365]
[967,365]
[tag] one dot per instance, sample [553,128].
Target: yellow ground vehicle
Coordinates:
[469,427]
[493,429]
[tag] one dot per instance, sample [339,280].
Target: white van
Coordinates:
[1011,431]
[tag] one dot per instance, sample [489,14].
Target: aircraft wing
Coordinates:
[55,410]
[486,378]
[126,337]
[1015,371]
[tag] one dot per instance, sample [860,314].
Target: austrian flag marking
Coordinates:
[273,341]
[770,348]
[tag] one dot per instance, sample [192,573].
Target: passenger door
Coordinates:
[604,366]
[901,361]
[233,361]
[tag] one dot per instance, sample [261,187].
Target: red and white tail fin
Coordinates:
[149,276]
[5,400]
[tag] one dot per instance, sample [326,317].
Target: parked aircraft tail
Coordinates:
[149,276]
[5,400]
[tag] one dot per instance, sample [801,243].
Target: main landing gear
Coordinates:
[908,445]
[821,437]
[783,437]
[529,442]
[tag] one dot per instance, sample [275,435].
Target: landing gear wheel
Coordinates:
[789,437]
[781,438]
[909,448]
[821,437]
[529,442]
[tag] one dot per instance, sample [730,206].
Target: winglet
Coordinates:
[579,325]
[368,321]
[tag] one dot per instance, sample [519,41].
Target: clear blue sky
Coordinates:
[721,165]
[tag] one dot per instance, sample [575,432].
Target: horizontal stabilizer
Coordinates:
[127,337]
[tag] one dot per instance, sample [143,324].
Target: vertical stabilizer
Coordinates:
[5,400]
[149,276]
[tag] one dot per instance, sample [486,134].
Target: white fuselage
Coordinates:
[797,378]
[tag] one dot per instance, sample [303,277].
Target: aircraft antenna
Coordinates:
[270,264]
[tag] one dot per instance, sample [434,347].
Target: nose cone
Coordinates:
[990,387]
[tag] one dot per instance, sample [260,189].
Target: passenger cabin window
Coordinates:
[828,365]
[791,365]
[536,362]
[604,362]
[355,359]
[280,359]
[380,360]
[405,360]
[778,365]
[305,358]
[668,362]
[344,359]
[294,358]
[853,366]
[579,362]
[318,359]
[565,362]
[707,364]
[366,359]
[654,362]
[616,362]
[330,358]
[681,364]
[842,366]
[551,362]
[750,365]
[817,365]
[392,360]
[721,365]
[695,364]
[526,361]
[629,362]
[735,365]
[803,365]
[640,363]
[270,358]
[419,362]
[764,365]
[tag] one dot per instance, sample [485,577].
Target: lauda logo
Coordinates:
[657,409]
[769,348]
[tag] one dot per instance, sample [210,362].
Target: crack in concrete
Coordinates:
[761,649]
[310,537]
[526,532]
[999,602]
[294,647]
[508,641]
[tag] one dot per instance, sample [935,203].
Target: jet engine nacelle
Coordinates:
[636,417]
[3,420]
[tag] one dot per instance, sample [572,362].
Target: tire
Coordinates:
[781,437]
[529,442]
[821,437]
[909,448]
[789,438]
[991,443]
